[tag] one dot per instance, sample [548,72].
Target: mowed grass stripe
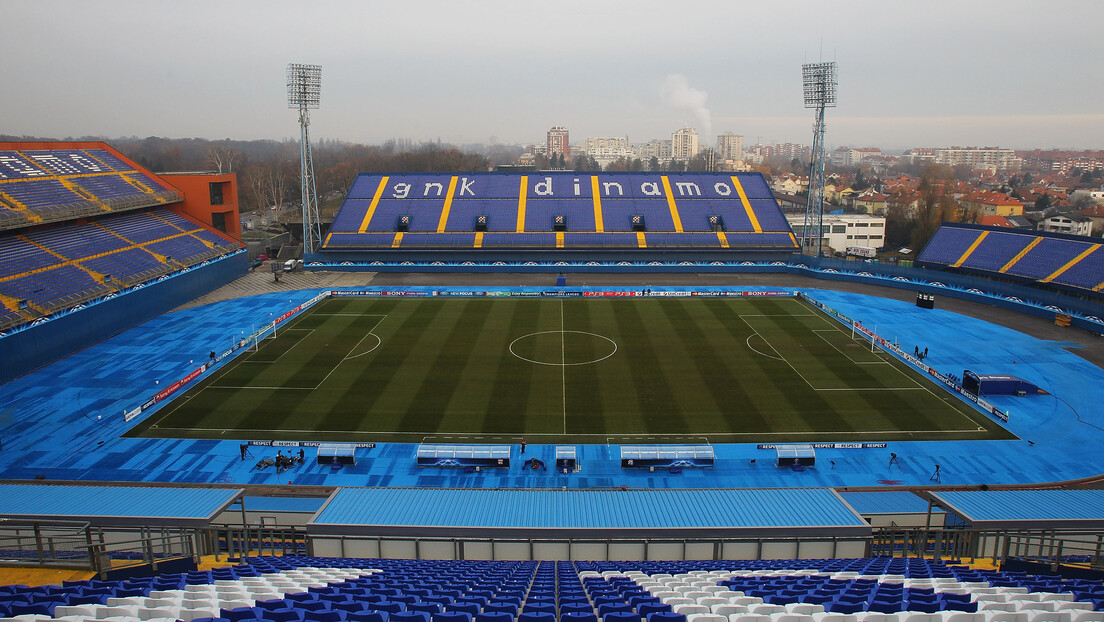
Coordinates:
[659,409]
[508,409]
[586,402]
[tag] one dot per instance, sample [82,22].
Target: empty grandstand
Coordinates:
[80,223]
[553,214]
[1067,262]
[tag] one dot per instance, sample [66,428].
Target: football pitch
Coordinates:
[582,370]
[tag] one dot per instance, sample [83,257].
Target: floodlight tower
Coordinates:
[304,88]
[819,81]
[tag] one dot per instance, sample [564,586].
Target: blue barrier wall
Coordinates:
[38,345]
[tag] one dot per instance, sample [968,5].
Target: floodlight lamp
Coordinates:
[304,84]
[819,82]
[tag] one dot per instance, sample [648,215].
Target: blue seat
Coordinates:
[310,605]
[388,606]
[425,607]
[349,607]
[537,616]
[666,616]
[451,616]
[645,609]
[539,607]
[367,616]
[495,616]
[238,613]
[463,607]
[280,615]
[501,608]
[325,615]
[621,616]
[578,616]
[409,616]
[885,606]
[619,607]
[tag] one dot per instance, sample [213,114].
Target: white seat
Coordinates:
[835,617]
[1074,606]
[210,612]
[136,601]
[1035,605]
[963,616]
[122,611]
[1008,616]
[1052,616]
[234,604]
[688,609]
[746,601]
[804,608]
[879,617]
[765,609]
[748,617]
[164,602]
[995,598]
[709,601]
[705,617]
[663,592]
[205,588]
[677,600]
[86,611]
[993,606]
[1055,596]
[728,609]
[716,589]
[1082,616]
[909,616]
[791,617]
[152,613]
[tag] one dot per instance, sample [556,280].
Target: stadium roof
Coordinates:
[115,505]
[579,513]
[888,502]
[1068,509]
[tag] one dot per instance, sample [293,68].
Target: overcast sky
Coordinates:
[1013,74]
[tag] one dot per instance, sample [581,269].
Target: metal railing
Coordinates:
[67,544]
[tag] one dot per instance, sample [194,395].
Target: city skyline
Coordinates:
[941,74]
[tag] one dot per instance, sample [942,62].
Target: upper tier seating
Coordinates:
[1066,260]
[297,588]
[59,184]
[597,210]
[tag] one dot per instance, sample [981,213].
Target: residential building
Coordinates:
[606,149]
[659,149]
[850,156]
[790,184]
[869,201]
[730,146]
[977,158]
[1070,222]
[557,142]
[684,144]
[986,203]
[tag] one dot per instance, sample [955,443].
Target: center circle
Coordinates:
[563,347]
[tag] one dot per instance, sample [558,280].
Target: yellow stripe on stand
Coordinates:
[372,206]
[599,226]
[522,196]
[448,205]
[1020,255]
[723,239]
[793,239]
[747,205]
[327,242]
[559,239]
[398,239]
[640,241]
[479,239]
[970,251]
[1069,265]
[671,204]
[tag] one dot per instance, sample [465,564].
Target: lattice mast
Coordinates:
[819,82]
[304,87]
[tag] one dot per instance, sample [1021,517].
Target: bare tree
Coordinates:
[222,156]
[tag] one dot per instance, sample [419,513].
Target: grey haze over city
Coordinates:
[1010,74]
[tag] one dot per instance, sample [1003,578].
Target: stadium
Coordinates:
[541,397]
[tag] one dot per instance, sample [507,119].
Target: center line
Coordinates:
[563,368]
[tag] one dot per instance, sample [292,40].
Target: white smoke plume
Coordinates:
[677,92]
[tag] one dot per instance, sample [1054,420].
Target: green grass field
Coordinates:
[584,370]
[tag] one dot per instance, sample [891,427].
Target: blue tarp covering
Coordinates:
[391,510]
[114,505]
[889,502]
[1026,508]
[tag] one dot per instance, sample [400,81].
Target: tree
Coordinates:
[1043,202]
[937,203]
[653,164]
[222,156]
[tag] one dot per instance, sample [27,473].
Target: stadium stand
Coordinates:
[559,210]
[1068,262]
[64,265]
[48,185]
[294,588]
